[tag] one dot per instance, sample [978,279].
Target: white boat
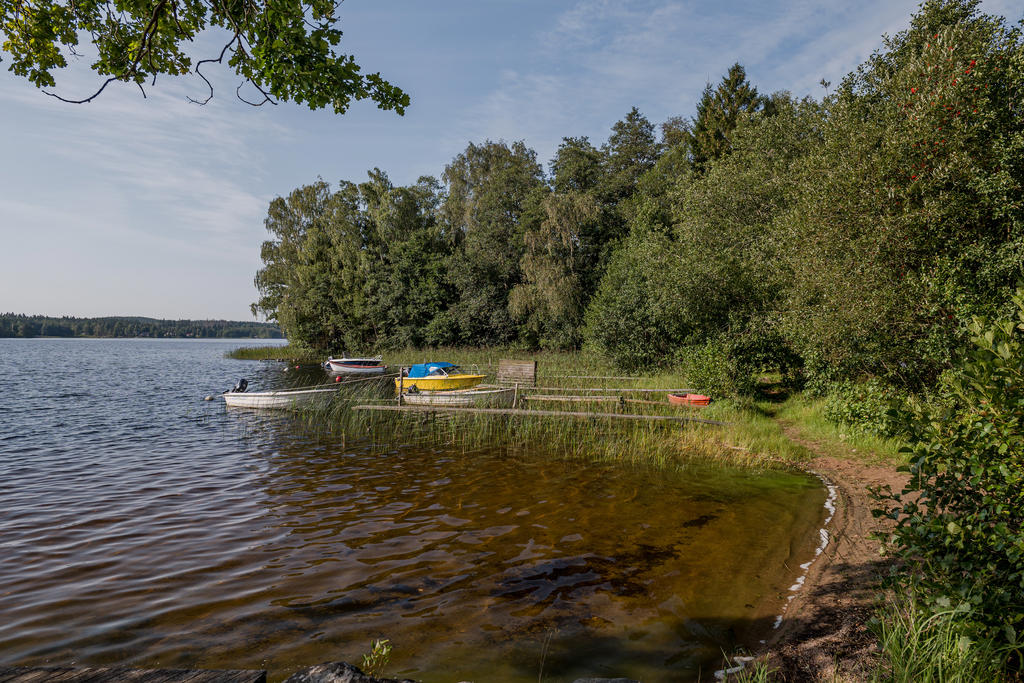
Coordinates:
[477,397]
[281,400]
[356,366]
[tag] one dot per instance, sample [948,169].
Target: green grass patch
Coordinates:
[753,429]
[934,646]
[808,416]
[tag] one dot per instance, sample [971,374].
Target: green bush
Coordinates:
[712,368]
[870,407]
[960,519]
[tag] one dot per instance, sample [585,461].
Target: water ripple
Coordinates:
[143,526]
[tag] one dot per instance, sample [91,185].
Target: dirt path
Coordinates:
[824,636]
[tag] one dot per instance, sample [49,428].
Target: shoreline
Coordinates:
[824,634]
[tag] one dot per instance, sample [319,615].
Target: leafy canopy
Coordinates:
[284,50]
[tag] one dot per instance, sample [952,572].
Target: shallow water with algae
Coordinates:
[141,526]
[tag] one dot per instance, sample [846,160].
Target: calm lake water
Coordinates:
[141,526]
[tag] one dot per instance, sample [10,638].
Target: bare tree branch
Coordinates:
[87,99]
[211,61]
[266,97]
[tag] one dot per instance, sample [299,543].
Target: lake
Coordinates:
[142,526]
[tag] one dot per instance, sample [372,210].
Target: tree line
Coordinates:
[18,325]
[832,240]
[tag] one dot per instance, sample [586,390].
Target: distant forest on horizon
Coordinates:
[20,325]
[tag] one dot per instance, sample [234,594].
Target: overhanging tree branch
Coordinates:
[145,49]
[285,47]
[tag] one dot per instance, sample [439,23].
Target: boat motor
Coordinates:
[241,386]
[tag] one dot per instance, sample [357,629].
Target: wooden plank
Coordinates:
[29,675]
[616,390]
[241,676]
[72,675]
[51,674]
[68,674]
[579,399]
[645,402]
[542,413]
[547,376]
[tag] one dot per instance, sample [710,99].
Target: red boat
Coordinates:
[689,399]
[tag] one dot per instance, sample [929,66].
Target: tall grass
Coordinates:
[288,352]
[940,646]
[591,437]
[752,436]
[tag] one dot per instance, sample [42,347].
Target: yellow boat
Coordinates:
[437,377]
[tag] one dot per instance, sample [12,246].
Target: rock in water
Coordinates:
[337,672]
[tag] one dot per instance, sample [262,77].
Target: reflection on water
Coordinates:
[141,526]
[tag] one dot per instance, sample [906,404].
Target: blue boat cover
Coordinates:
[428,369]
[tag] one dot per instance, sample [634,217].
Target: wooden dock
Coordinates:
[574,399]
[535,413]
[67,674]
[612,390]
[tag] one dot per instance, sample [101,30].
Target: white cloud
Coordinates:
[600,57]
[149,178]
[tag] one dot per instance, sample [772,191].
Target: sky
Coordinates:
[154,206]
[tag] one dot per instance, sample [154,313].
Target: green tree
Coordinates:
[675,131]
[406,285]
[718,113]
[635,317]
[702,260]
[651,204]
[494,190]
[576,166]
[911,213]
[284,50]
[557,269]
[305,276]
[630,152]
[27,328]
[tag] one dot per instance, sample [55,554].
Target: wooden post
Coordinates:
[401,383]
[515,397]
